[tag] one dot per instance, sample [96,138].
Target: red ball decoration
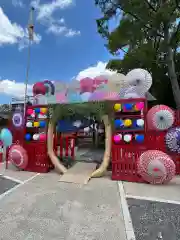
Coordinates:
[156,167]
[39,88]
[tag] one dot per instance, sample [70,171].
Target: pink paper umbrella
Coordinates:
[18,156]
[61,98]
[86,85]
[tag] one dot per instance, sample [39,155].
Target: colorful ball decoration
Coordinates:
[18,156]
[127,138]
[39,88]
[37,110]
[160,117]
[28,137]
[172,140]
[17,119]
[6,137]
[140,122]
[139,78]
[43,110]
[29,124]
[127,107]
[50,88]
[30,111]
[117,107]
[156,167]
[127,122]
[42,124]
[35,136]
[36,124]
[117,138]
[139,138]
[118,123]
[42,137]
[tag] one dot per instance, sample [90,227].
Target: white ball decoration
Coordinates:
[139,78]
[29,124]
[140,122]
[35,136]
[127,138]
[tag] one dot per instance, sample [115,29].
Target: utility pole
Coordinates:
[30,38]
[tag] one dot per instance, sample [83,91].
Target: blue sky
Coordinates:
[66,42]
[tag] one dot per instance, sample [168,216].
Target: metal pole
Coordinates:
[30,29]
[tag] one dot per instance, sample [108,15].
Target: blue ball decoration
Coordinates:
[128,106]
[37,110]
[42,124]
[6,137]
[139,138]
[28,137]
[118,123]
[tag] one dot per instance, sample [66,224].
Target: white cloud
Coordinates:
[94,71]
[13,88]
[18,3]
[12,33]
[45,15]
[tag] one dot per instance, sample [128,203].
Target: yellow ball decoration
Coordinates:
[117,107]
[36,124]
[43,110]
[127,122]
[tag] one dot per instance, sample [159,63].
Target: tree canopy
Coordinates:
[151,32]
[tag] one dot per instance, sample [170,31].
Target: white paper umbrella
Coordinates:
[140,78]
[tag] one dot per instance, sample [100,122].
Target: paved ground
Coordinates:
[41,207]
[6,184]
[44,208]
[155,220]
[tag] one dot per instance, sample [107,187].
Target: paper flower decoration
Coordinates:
[156,167]
[139,78]
[160,117]
[117,138]
[18,156]
[29,124]
[127,138]
[172,140]
[140,122]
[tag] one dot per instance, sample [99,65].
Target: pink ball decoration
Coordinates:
[42,137]
[140,106]
[18,156]
[117,138]
[30,111]
[156,167]
[160,117]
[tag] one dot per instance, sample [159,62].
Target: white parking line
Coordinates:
[17,186]
[127,218]
[12,179]
[161,200]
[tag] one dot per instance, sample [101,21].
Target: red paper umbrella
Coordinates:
[160,117]
[156,167]
[39,88]
[18,156]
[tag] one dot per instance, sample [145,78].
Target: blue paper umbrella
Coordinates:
[6,137]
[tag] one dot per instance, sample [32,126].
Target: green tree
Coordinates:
[149,29]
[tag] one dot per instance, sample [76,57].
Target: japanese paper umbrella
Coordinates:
[140,78]
[160,117]
[18,156]
[50,89]
[156,167]
[172,140]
